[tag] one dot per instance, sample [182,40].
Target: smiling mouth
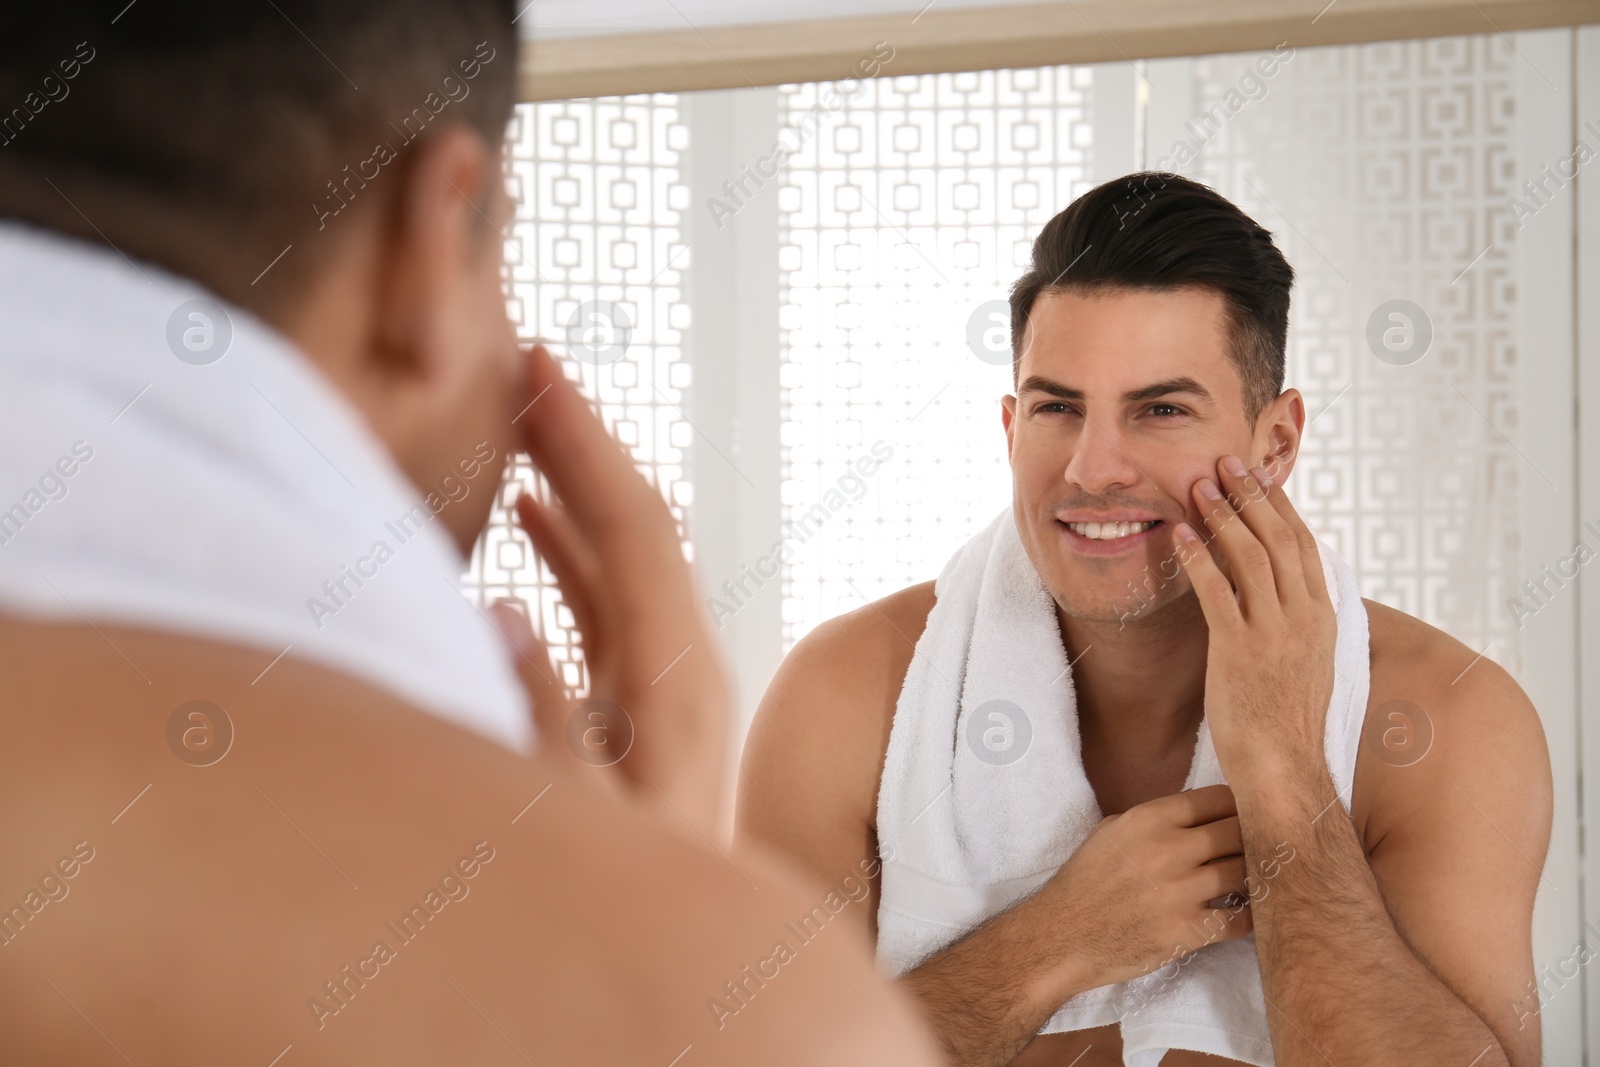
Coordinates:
[1110,531]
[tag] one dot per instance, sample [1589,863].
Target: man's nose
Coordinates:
[1100,460]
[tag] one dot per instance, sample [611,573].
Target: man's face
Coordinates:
[471,401]
[1124,401]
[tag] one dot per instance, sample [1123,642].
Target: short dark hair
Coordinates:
[1161,231]
[196,134]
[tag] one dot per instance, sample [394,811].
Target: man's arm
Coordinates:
[1425,955]
[808,777]
[1132,899]
[1426,951]
[808,790]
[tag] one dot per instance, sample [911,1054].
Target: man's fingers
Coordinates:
[609,501]
[1249,565]
[541,679]
[1211,586]
[1227,921]
[1310,554]
[1216,880]
[588,468]
[1218,839]
[1193,807]
[554,710]
[1265,521]
[659,665]
[614,511]
[574,567]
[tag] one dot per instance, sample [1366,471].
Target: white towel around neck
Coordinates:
[964,838]
[218,499]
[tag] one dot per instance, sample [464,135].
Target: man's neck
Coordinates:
[1140,687]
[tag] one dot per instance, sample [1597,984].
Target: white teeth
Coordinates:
[1108,531]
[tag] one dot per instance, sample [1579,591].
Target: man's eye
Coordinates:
[1052,406]
[1173,408]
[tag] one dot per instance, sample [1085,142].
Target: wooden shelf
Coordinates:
[1024,35]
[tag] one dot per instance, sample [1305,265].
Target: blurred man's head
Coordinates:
[334,166]
[1148,338]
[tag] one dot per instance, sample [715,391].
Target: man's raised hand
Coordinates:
[1269,669]
[613,546]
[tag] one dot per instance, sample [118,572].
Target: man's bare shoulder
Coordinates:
[1442,717]
[849,669]
[1412,660]
[874,640]
[808,779]
[362,880]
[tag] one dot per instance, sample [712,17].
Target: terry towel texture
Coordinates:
[968,833]
[216,500]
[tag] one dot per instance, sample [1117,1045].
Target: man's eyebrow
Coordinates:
[1186,385]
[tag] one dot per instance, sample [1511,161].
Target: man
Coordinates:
[266,785]
[1392,924]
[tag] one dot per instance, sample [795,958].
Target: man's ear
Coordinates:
[1278,432]
[430,234]
[1008,417]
